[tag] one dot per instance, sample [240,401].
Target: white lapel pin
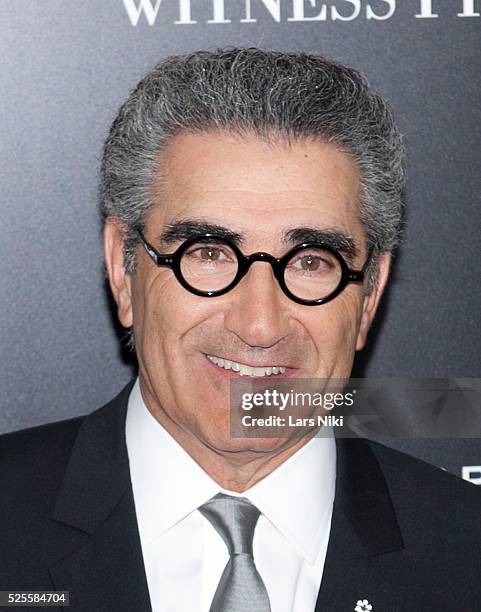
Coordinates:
[363,605]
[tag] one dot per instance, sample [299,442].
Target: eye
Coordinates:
[209,253]
[310,263]
[316,262]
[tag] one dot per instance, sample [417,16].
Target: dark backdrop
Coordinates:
[65,68]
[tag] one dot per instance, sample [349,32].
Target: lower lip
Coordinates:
[233,374]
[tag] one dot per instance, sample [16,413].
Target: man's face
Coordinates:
[261,192]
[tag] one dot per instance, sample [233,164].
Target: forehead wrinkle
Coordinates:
[193,193]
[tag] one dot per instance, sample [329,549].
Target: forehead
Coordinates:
[257,187]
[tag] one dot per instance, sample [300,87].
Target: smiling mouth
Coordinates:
[244,369]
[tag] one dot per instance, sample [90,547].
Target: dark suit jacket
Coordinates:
[405,536]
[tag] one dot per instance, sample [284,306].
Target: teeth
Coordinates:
[245,370]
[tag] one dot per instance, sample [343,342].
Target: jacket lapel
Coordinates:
[100,557]
[365,543]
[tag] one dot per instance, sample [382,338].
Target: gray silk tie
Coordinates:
[240,587]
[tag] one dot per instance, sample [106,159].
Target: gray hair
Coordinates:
[268,93]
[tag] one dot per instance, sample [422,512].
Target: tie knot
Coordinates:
[234,519]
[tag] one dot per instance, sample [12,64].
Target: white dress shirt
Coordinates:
[184,556]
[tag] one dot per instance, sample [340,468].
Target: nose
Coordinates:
[258,313]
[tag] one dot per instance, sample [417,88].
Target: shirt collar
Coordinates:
[296,497]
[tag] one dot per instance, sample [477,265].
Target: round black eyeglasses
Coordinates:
[208,265]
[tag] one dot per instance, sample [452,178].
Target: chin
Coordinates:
[247,445]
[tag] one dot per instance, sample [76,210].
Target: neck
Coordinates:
[241,470]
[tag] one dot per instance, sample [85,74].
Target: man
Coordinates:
[252,202]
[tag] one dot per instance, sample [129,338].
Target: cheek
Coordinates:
[349,316]
[152,310]
[335,329]
[164,312]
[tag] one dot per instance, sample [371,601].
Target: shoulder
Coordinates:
[33,462]
[438,513]
[407,476]
[435,562]
[36,446]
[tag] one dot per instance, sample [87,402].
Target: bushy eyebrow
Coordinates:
[190,228]
[330,237]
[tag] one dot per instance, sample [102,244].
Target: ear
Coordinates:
[120,281]
[371,301]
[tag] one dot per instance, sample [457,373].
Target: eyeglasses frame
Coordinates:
[172,260]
